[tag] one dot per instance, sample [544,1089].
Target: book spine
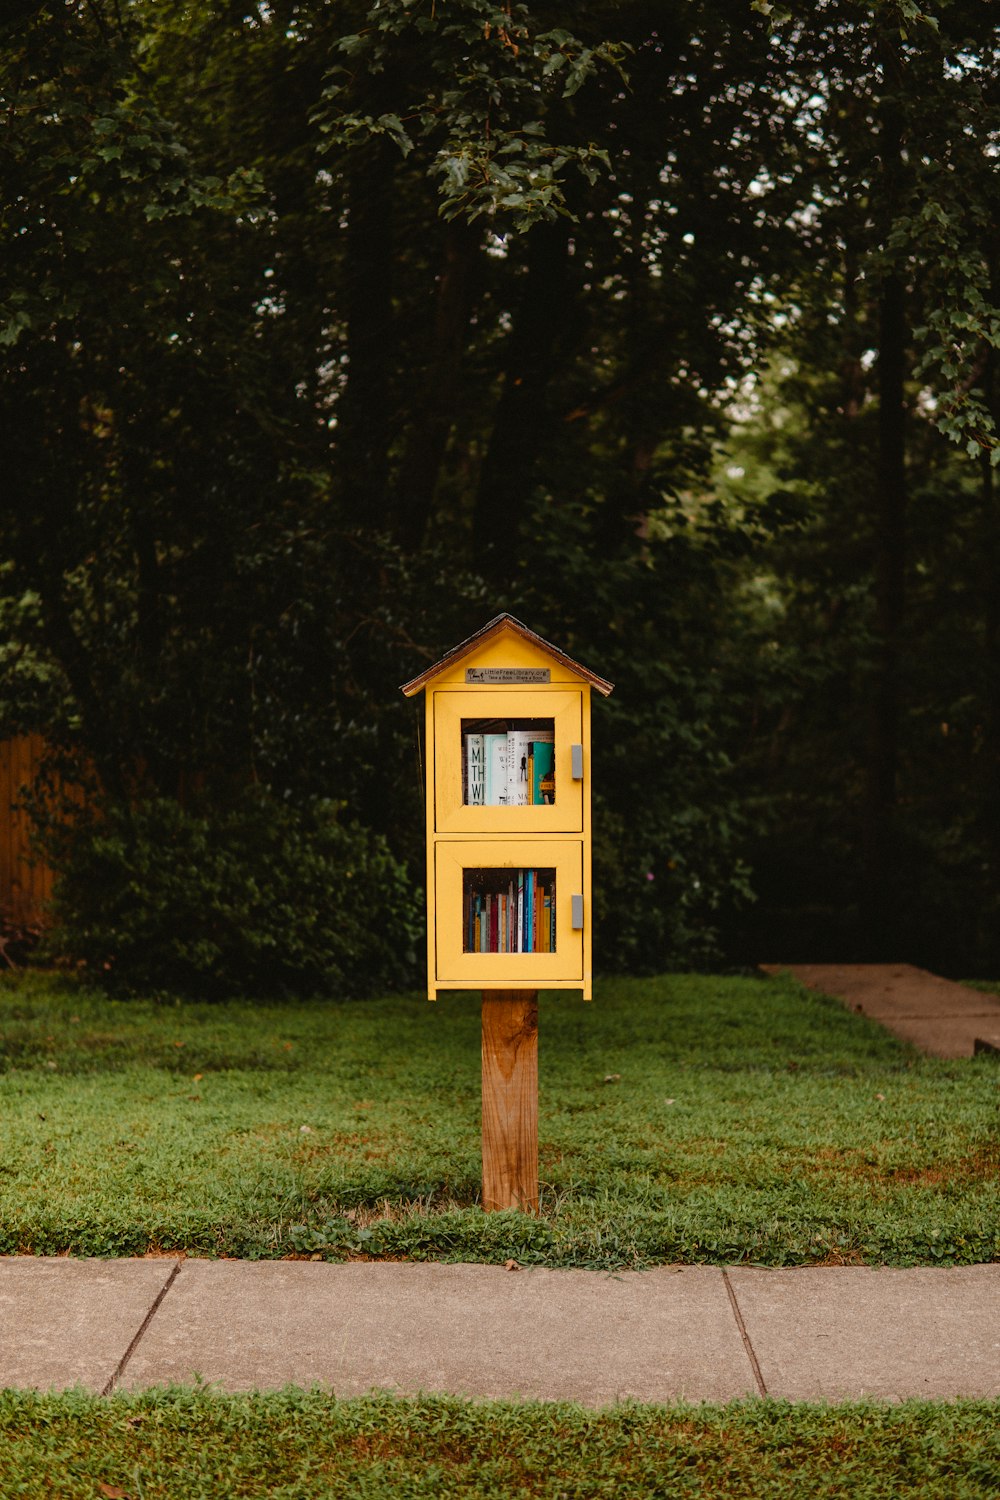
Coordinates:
[529,908]
[475,770]
[495,762]
[543,783]
[520,911]
[518,741]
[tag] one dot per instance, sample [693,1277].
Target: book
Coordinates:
[542,763]
[513,917]
[496,790]
[475,770]
[519,791]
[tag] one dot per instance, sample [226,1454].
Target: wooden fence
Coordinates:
[25,881]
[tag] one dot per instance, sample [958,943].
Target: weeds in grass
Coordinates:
[747,1121]
[304,1445]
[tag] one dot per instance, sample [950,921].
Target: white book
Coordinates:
[495,757]
[475,777]
[519,789]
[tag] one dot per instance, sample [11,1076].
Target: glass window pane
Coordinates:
[508,762]
[509,911]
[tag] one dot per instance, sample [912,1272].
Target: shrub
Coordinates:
[260,900]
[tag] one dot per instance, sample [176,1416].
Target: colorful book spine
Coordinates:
[542,763]
[517,918]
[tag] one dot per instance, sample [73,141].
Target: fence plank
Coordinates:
[25,881]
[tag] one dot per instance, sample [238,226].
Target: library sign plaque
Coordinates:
[508,674]
[508,862]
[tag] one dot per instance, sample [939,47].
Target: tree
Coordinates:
[335,330]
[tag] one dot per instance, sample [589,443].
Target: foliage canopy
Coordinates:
[331,331]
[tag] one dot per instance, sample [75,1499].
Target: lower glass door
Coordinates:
[509,912]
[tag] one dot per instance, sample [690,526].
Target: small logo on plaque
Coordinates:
[508,674]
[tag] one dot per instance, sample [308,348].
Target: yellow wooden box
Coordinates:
[506,873]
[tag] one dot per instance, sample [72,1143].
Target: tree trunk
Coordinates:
[364,415]
[880,893]
[990,771]
[523,414]
[881,873]
[434,409]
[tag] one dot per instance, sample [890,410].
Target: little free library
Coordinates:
[508,813]
[508,862]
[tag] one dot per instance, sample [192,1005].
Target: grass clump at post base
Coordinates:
[682,1119]
[296,1445]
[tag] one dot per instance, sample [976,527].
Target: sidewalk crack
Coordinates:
[751,1356]
[120,1368]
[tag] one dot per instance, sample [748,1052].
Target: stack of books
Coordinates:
[510,911]
[510,767]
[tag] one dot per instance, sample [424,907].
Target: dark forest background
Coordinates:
[330,330]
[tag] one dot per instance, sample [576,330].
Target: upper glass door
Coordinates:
[504,762]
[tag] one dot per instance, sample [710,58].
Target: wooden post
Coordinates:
[510,1099]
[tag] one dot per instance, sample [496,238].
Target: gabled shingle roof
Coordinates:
[494,628]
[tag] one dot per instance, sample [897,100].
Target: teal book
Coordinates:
[543,781]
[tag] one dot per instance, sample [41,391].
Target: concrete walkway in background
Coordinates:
[696,1332]
[937,1015]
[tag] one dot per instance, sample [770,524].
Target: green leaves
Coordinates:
[258,900]
[479,99]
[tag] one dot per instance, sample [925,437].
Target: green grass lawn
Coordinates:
[744,1120]
[293,1445]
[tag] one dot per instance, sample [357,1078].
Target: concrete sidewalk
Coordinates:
[696,1332]
[937,1015]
